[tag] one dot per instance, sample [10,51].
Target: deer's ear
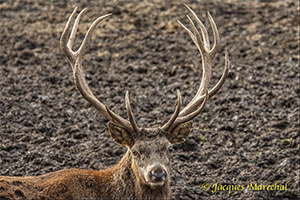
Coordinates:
[120,135]
[181,132]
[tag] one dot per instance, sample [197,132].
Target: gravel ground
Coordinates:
[247,134]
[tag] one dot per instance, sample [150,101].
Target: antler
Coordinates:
[207,55]
[75,59]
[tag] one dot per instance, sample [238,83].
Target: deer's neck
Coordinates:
[125,182]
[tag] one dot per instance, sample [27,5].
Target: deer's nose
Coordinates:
[158,174]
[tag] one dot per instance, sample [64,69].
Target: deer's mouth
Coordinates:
[156,184]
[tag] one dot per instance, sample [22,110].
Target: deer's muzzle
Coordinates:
[158,174]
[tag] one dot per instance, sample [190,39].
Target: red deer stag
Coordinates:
[144,170]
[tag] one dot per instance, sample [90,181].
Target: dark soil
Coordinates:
[248,133]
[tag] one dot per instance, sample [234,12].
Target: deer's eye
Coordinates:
[135,152]
[170,148]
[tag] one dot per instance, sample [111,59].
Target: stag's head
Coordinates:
[149,148]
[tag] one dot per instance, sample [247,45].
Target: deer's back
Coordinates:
[63,184]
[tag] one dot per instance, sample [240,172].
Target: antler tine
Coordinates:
[119,120]
[207,54]
[75,59]
[90,31]
[74,29]
[129,113]
[193,114]
[176,120]
[216,45]
[168,125]
[64,38]
[190,34]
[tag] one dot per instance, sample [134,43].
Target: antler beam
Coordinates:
[75,59]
